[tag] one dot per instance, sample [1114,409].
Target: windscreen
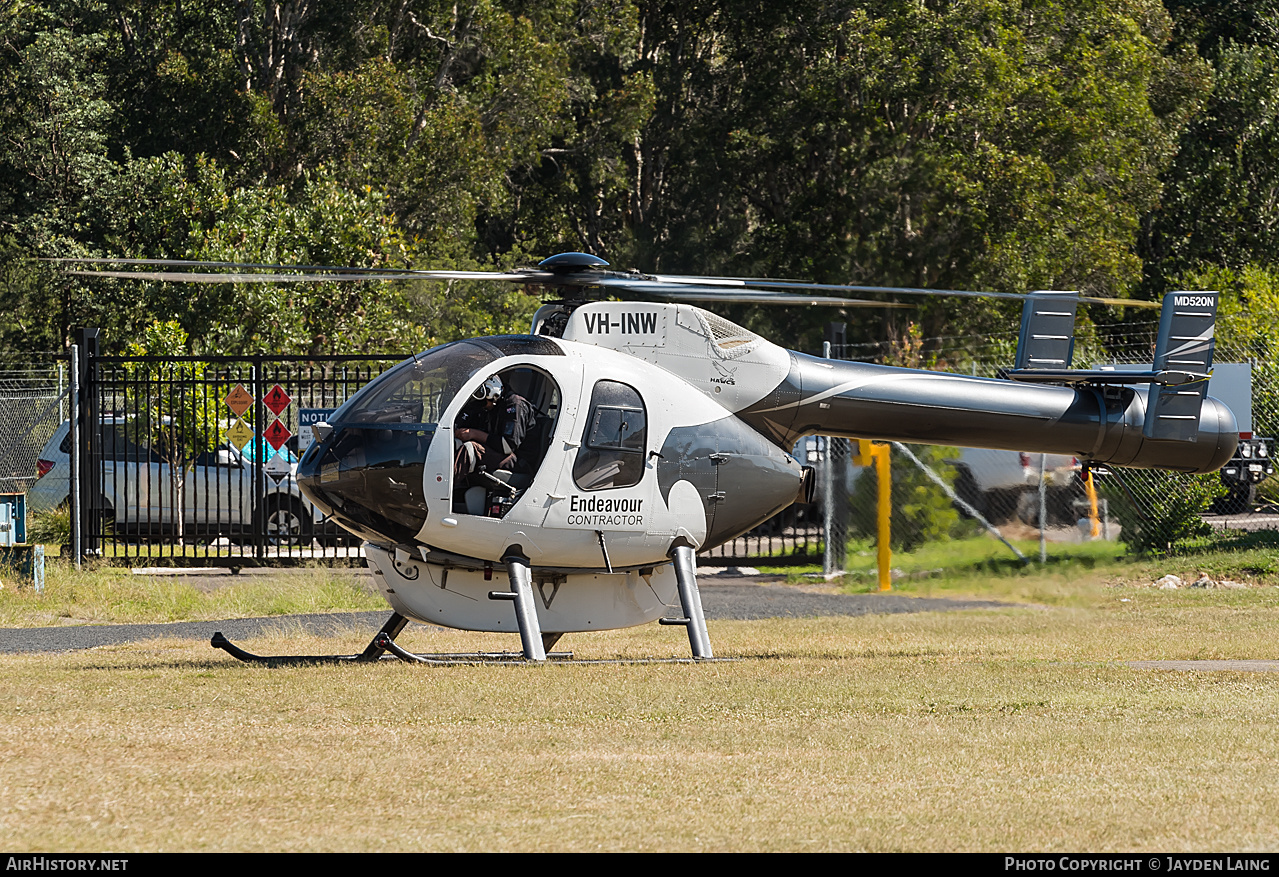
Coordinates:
[418,390]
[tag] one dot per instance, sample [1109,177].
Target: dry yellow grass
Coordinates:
[1009,730]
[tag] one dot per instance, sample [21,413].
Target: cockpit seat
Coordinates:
[476,496]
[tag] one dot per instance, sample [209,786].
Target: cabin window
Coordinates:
[615,440]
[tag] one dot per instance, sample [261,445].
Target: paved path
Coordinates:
[1259,666]
[723,597]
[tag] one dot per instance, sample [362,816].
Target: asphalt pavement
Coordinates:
[739,597]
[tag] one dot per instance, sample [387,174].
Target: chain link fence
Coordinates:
[33,402]
[948,504]
[952,506]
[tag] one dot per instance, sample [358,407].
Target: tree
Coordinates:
[1247,329]
[1222,201]
[54,130]
[164,210]
[978,144]
[174,413]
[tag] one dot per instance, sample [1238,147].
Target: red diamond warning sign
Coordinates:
[239,400]
[277,434]
[276,399]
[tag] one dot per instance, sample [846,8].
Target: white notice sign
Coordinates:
[278,467]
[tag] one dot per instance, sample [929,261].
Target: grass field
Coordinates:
[1015,729]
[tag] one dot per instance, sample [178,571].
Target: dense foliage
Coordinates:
[1116,147]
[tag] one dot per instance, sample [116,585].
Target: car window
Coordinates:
[222,456]
[118,445]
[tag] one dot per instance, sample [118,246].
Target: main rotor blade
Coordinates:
[246,266]
[766,283]
[205,277]
[309,274]
[738,295]
[670,287]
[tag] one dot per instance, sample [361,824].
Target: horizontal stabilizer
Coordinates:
[1167,378]
[1185,343]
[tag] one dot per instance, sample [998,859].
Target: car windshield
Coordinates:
[417,390]
[260,449]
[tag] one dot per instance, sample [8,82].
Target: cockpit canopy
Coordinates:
[417,390]
[368,474]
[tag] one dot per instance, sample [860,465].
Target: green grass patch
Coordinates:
[1021,727]
[1075,574]
[106,595]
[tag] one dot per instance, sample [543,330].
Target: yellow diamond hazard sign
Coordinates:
[240,433]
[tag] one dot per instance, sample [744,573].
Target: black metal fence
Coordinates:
[190,461]
[793,537]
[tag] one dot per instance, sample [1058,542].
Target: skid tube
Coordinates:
[377,649]
[384,642]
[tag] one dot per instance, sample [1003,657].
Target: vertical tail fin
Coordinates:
[1047,338]
[1185,344]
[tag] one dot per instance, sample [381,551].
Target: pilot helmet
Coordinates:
[490,390]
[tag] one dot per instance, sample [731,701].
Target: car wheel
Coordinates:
[1054,503]
[106,524]
[1061,505]
[286,523]
[1241,498]
[1002,504]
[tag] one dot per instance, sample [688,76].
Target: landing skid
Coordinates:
[536,644]
[382,643]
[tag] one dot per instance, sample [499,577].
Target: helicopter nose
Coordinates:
[369,479]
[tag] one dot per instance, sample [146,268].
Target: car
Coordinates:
[1252,464]
[1000,485]
[1004,485]
[138,492]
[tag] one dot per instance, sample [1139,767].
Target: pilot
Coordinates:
[490,429]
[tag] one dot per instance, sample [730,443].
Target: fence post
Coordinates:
[1043,509]
[73,477]
[258,443]
[88,424]
[834,475]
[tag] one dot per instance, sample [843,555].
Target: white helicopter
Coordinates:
[659,429]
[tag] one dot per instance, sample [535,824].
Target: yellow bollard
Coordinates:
[1091,490]
[869,453]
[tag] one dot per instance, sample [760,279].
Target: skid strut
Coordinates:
[373,652]
[690,599]
[521,594]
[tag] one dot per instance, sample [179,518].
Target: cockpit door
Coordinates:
[518,424]
[606,483]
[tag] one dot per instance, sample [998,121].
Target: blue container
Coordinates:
[26,560]
[13,518]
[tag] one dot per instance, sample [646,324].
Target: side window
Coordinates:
[614,444]
[119,445]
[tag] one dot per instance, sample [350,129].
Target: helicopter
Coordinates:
[657,429]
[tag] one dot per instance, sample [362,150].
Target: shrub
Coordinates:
[52,527]
[922,512]
[1167,510]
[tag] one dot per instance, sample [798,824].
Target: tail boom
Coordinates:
[1097,424]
